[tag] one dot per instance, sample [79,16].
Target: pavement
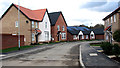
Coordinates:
[90,57]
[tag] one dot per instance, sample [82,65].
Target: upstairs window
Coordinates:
[16,24]
[63,28]
[114,18]
[111,19]
[45,24]
[36,25]
[32,24]
[58,28]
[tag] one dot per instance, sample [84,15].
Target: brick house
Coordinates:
[111,24]
[78,33]
[97,33]
[34,24]
[58,27]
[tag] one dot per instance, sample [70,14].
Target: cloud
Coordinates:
[100,6]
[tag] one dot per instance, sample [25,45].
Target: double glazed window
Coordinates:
[63,28]
[114,18]
[58,28]
[32,24]
[63,35]
[16,24]
[45,24]
[33,37]
[86,36]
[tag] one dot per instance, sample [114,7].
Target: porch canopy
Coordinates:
[108,28]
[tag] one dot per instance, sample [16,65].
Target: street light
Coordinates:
[18,25]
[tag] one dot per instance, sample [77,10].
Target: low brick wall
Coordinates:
[9,40]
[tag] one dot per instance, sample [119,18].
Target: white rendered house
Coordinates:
[45,28]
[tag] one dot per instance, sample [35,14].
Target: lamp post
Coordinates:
[18,25]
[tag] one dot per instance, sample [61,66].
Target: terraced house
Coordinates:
[34,24]
[111,23]
[58,26]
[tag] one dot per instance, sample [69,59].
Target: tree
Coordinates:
[116,36]
[99,26]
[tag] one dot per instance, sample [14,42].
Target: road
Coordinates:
[62,54]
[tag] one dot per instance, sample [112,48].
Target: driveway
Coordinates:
[63,54]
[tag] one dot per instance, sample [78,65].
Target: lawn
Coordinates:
[95,45]
[16,48]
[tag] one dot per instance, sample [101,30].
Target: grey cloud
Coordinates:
[100,6]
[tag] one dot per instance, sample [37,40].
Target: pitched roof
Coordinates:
[54,17]
[98,31]
[115,11]
[30,14]
[76,29]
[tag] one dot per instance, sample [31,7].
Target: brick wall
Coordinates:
[54,30]
[9,40]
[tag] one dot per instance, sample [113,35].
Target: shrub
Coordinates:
[107,47]
[116,50]
[116,35]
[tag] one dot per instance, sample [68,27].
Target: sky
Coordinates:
[75,12]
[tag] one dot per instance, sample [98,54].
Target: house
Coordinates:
[111,24]
[34,24]
[58,26]
[97,34]
[78,33]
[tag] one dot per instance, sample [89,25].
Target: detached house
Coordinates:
[58,26]
[97,33]
[34,24]
[78,33]
[111,23]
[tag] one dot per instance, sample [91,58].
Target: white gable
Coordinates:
[80,33]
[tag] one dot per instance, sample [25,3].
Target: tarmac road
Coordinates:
[63,54]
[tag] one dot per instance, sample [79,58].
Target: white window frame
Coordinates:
[82,36]
[111,19]
[63,28]
[36,24]
[58,28]
[63,35]
[86,36]
[74,36]
[45,24]
[33,37]
[32,24]
[46,36]
[16,24]
[114,18]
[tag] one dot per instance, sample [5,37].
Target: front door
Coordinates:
[58,37]
[80,37]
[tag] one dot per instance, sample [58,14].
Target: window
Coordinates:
[33,37]
[92,36]
[106,36]
[74,36]
[114,18]
[16,24]
[46,35]
[36,25]
[45,24]
[58,28]
[82,36]
[63,28]
[86,36]
[111,19]
[32,24]
[63,35]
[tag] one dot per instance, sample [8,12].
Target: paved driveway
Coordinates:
[63,54]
